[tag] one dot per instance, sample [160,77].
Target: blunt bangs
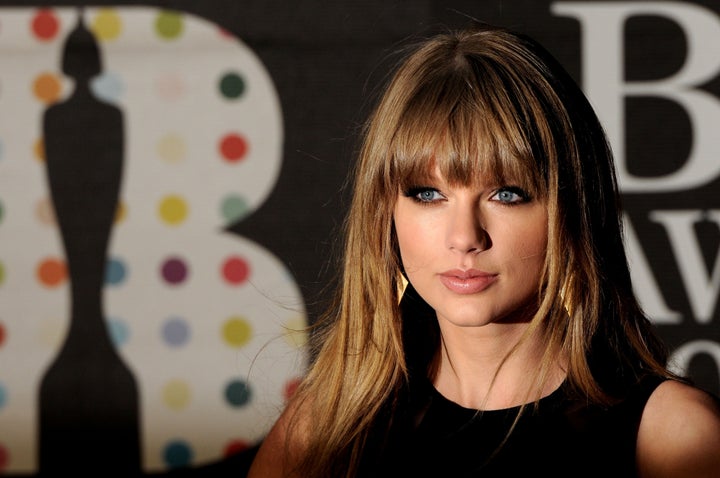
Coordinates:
[467,123]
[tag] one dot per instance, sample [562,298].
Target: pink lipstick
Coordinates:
[470,281]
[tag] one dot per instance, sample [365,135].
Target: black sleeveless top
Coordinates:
[562,437]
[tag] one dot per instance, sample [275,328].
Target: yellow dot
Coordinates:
[173,209]
[296,332]
[47,87]
[176,394]
[107,25]
[237,331]
[120,212]
[39,150]
[171,148]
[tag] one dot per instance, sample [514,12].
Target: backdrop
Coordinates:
[173,181]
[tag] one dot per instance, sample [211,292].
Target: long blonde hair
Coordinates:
[482,101]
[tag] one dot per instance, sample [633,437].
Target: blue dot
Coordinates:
[177,454]
[238,393]
[119,331]
[176,331]
[115,272]
[108,87]
[3,395]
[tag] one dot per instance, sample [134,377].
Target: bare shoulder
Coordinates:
[278,453]
[679,433]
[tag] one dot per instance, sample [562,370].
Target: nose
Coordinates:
[465,233]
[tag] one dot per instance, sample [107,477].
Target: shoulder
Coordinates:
[278,454]
[679,434]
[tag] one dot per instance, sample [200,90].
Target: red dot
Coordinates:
[235,270]
[233,147]
[4,457]
[45,24]
[235,447]
[2,335]
[291,387]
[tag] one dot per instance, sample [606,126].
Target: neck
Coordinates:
[494,366]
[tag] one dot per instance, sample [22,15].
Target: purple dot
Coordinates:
[174,271]
[175,331]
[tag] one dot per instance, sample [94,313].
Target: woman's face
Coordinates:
[474,254]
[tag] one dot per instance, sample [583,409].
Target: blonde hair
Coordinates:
[478,102]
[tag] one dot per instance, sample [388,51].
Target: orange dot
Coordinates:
[47,87]
[39,150]
[51,272]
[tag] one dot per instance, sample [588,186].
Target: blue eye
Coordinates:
[424,194]
[511,195]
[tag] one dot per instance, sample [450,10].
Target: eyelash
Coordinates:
[414,193]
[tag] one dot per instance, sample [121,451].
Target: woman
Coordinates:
[486,182]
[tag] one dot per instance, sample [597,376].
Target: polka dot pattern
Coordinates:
[169,25]
[51,272]
[233,147]
[177,454]
[45,25]
[198,314]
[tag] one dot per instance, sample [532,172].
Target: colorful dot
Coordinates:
[170,87]
[108,87]
[235,447]
[173,210]
[176,332]
[169,25]
[2,273]
[238,393]
[232,85]
[237,331]
[45,24]
[121,212]
[115,271]
[171,148]
[2,211]
[45,212]
[177,454]
[290,388]
[296,332]
[119,332]
[47,87]
[235,270]
[176,394]
[234,208]
[4,457]
[107,25]
[3,334]
[51,272]
[233,147]
[174,270]
[39,150]
[3,395]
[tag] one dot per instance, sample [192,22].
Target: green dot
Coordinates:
[169,25]
[2,273]
[234,208]
[232,86]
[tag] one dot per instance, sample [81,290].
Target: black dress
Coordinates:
[563,437]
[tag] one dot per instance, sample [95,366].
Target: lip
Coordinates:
[469,281]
